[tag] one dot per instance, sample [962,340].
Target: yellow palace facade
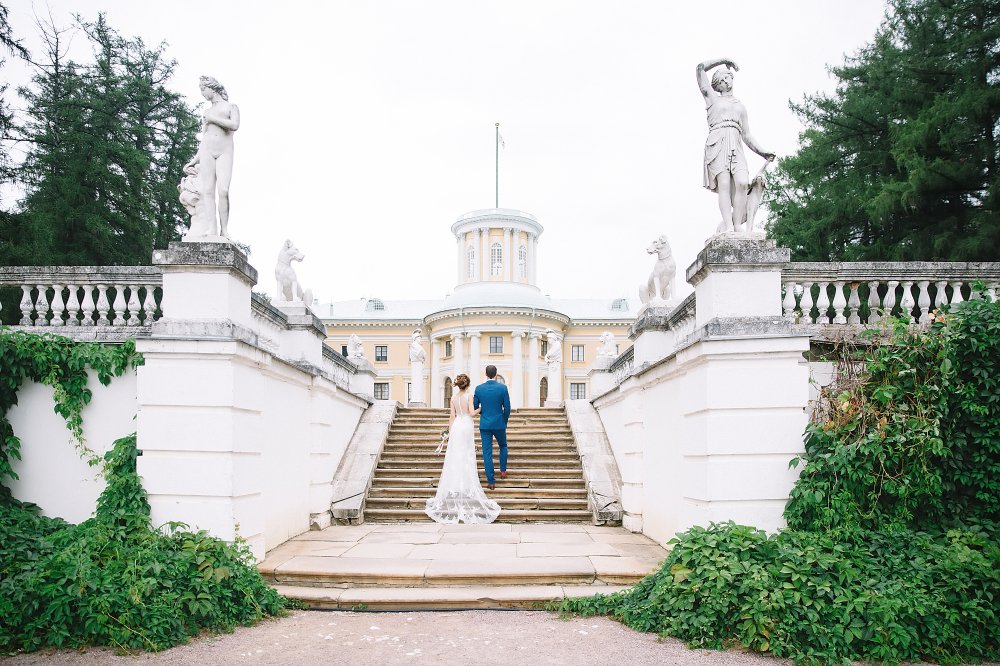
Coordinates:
[495,315]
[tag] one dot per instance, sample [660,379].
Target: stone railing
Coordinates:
[866,292]
[623,366]
[86,296]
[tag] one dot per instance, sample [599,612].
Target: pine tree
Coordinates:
[900,163]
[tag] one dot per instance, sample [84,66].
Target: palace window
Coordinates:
[496,344]
[471,256]
[343,350]
[522,261]
[409,392]
[374,304]
[382,353]
[447,348]
[381,390]
[577,391]
[620,304]
[545,348]
[496,259]
[577,351]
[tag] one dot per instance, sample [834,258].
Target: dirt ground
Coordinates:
[458,637]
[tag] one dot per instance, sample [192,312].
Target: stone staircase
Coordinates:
[545,478]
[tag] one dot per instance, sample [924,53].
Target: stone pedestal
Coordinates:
[601,381]
[417,385]
[555,396]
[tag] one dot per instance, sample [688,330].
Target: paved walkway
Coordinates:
[431,566]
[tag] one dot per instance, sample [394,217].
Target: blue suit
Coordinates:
[493,397]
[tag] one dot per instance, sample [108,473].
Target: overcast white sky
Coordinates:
[368,126]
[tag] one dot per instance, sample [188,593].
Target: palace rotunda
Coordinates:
[496,315]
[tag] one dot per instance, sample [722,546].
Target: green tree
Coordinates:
[107,143]
[900,163]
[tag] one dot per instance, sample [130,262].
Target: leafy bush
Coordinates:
[112,580]
[916,441]
[819,597]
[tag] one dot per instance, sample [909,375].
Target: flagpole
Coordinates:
[498,167]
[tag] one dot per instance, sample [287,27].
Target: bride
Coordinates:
[460,497]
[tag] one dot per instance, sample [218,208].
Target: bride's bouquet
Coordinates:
[444,441]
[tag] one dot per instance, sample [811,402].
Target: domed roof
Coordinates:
[499,294]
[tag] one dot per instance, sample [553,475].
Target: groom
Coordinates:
[495,401]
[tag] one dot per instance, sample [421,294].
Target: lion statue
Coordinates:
[289,289]
[608,346]
[660,287]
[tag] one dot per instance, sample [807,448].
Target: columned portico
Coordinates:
[475,371]
[516,382]
[532,387]
[459,354]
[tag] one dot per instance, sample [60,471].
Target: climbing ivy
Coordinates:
[61,363]
[113,579]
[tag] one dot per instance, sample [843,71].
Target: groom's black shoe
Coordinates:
[503,474]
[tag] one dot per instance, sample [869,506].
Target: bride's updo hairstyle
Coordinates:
[462,381]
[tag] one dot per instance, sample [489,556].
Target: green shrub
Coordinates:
[112,580]
[819,597]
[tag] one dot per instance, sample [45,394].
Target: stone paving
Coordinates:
[396,566]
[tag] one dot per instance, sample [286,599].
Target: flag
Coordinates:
[500,139]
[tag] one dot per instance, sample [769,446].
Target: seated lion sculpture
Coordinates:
[660,287]
[289,288]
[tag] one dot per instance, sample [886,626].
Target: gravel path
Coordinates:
[460,637]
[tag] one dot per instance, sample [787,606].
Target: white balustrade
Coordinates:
[866,292]
[78,296]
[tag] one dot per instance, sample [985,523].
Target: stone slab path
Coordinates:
[434,567]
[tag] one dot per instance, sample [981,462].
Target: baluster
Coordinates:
[149,304]
[788,302]
[874,307]
[806,302]
[57,305]
[941,297]
[41,306]
[854,303]
[102,305]
[890,298]
[906,302]
[823,304]
[956,294]
[839,303]
[27,305]
[119,306]
[73,306]
[133,306]
[88,305]
[923,300]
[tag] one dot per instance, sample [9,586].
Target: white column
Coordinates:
[508,261]
[437,388]
[475,346]
[532,387]
[516,382]
[458,353]
[532,251]
[484,255]
[476,274]
[460,240]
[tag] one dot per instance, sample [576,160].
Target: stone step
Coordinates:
[566,440]
[439,598]
[428,448]
[500,491]
[386,481]
[511,516]
[519,462]
[515,473]
[521,430]
[522,457]
[505,502]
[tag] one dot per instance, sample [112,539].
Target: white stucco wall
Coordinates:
[52,473]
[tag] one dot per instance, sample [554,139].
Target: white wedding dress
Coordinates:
[460,497]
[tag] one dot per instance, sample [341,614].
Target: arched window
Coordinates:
[543,391]
[496,259]
[374,304]
[501,380]
[522,261]
[620,304]
[447,391]
[471,255]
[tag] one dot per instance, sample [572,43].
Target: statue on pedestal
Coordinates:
[417,353]
[660,286]
[417,358]
[554,354]
[212,165]
[726,169]
[608,348]
[355,352]
[289,289]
